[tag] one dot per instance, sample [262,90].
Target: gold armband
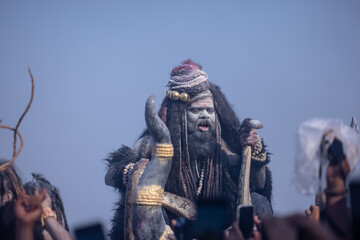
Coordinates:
[150,195]
[47,213]
[164,150]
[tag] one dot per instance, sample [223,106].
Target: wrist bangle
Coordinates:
[47,213]
[335,194]
[257,152]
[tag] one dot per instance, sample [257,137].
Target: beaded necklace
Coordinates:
[201,177]
[201,181]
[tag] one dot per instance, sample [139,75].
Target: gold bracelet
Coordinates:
[46,213]
[150,195]
[257,153]
[164,150]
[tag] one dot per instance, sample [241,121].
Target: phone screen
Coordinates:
[92,232]
[246,220]
[211,219]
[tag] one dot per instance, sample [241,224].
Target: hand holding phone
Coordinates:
[245,217]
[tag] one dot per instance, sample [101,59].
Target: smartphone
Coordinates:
[184,229]
[355,207]
[90,232]
[211,219]
[245,216]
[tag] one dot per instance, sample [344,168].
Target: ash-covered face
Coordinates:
[201,116]
[201,127]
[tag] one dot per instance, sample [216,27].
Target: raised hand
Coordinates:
[28,209]
[313,212]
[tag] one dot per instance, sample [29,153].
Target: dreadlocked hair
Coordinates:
[227,118]
[220,181]
[39,183]
[180,167]
[181,178]
[9,182]
[229,124]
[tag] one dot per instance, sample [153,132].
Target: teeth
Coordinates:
[204,128]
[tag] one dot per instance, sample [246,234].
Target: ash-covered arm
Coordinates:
[259,161]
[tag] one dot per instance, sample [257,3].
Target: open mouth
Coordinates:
[204,126]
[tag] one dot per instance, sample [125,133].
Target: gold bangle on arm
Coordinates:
[164,150]
[150,195]
[47,213]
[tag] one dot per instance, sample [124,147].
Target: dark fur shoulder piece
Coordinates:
[117,230]
[267,190]
[116,163]
[228,119]
[121,155]
[267,160]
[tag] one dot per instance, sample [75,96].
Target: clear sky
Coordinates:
[96,62]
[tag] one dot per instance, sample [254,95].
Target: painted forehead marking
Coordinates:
[206,102]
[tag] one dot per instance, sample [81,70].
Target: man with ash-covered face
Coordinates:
[201,127]
[207,139]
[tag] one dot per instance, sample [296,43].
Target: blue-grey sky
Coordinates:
[96,62]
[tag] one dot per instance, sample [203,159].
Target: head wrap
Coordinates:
[188,78]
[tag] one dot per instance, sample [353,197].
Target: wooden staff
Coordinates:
[244,177]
